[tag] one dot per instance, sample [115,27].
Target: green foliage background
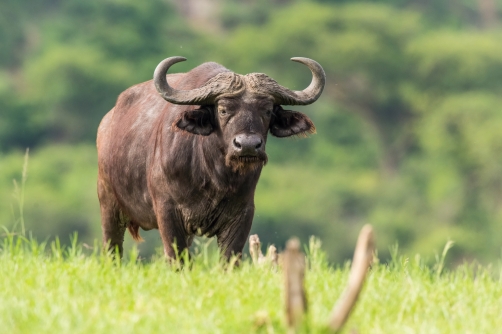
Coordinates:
[409,128]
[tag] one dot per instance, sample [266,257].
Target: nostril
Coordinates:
[259,144]
[237,144]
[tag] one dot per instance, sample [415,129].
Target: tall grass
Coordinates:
[19,195]
[47,288]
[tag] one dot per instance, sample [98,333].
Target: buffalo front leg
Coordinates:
[233,237]
[112,226]
[172,233]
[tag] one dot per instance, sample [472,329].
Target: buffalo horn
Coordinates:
[308,95]
[208,93]
[199,96]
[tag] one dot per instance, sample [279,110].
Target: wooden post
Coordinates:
[272,256]
[255,248]
[256,254]
[362,260]
[294,293]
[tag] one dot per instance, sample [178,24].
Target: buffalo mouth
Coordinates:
[246,163]
[249,158]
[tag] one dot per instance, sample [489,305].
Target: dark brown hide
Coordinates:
[187,169]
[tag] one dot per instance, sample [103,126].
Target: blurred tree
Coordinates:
[454,13]
[88,53]
[19,128]
[459,97]
[11,36]
[60,193]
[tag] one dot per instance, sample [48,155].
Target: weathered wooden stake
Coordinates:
[272,256]
[257,255]
[362,260]
[255,248]
[293,262]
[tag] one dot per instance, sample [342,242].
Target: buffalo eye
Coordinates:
[222,111]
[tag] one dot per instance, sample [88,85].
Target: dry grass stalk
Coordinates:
[293,262]
[362,260]
[272,256]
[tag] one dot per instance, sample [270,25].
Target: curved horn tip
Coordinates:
[304,60]
[177,58]
[164,65]
[309,62]
[298,59]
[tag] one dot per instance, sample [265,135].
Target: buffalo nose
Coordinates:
[247,144]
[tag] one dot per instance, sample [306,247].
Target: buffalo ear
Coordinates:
[287,123]
[198,121]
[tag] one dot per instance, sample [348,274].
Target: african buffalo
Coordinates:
[187,161]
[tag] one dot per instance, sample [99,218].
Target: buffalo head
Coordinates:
[241,109]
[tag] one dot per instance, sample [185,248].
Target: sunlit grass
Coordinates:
[47,288]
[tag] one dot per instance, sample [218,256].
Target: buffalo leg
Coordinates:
[112,226]
[171,231]
[231,240]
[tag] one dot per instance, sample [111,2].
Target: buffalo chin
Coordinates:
[246,164]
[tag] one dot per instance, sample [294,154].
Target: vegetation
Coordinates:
[408,128]
[47,287]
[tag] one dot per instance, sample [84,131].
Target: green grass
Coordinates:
[45,288]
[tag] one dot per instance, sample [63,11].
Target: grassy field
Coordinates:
[47,289]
